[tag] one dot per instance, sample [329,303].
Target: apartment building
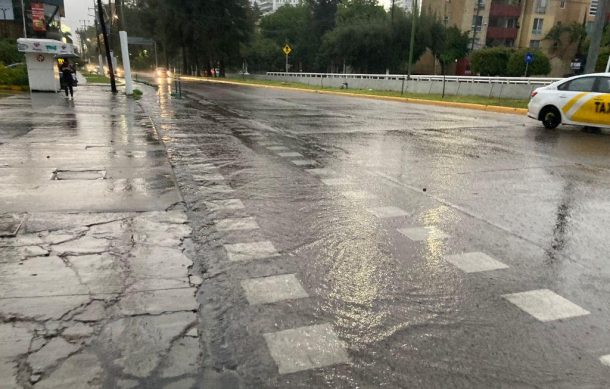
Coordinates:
[270,6]
[513,23]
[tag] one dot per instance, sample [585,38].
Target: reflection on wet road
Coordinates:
[349,242]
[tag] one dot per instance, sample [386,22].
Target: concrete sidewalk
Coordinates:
[95,289]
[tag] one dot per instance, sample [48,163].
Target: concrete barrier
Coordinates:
[494,87]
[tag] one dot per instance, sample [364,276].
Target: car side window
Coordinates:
[583,84]
[603,85]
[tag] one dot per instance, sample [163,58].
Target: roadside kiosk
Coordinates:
[40,58]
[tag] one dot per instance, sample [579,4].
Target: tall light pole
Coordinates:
[100,12]
[476,24]
[596,35]
[412,43]
[25,30]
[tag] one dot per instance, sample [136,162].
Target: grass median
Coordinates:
[93,78]
[511,103]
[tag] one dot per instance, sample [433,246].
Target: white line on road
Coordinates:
[320,172]
[208,177]
[229,204]
[250,251]
[418,234]
[304,162]
[215,189]
[475,262]
[387,212]
[277,148]
[335,181]
[272,289]
[306,348]
[290,154]
[545,305]
[236,224]
[359,195]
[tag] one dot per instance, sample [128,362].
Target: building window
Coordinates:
[541,6]
[562,4]
[537,29]
[480,4]
[477,22]
[535,44]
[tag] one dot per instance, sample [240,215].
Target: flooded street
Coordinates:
[354,243]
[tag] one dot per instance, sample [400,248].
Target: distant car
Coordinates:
[580,100]
[163,72]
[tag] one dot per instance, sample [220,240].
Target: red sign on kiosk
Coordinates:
[39,23]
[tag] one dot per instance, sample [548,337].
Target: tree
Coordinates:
[490,61]
[455,47]
[290,25]
[540,66]
[361,37]
[9,53]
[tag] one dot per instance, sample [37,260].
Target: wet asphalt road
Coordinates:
[405,312]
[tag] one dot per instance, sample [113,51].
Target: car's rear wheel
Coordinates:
[550,117]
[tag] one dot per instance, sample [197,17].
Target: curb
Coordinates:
[451,104]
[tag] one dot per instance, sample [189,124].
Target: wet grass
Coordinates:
[96,78]
[9,89]
[512,103]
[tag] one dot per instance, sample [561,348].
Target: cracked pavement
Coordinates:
[96,289]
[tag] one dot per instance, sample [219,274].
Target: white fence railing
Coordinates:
[400,77]
[493,87]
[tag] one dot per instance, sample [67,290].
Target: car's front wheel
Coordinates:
[550,117]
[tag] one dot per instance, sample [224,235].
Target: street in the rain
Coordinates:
[333,241]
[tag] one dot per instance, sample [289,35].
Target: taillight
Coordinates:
[534,93]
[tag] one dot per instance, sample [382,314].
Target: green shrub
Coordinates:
[9,53]
[540,66]
[490,61]
[13,76]
[602,59]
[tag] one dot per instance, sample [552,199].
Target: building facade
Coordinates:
[270,6]
[42,18]
[514,23]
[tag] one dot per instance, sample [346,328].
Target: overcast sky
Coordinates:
[77,10]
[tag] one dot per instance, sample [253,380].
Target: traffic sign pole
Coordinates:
[287,50]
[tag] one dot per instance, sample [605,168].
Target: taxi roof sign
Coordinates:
[287,49]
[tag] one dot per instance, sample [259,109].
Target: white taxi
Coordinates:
[580,100]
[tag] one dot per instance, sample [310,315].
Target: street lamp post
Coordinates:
[412,43]
[100,12]
[25,30]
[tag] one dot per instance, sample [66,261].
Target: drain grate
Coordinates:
[86,174]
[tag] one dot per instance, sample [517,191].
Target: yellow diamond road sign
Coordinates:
[286,49]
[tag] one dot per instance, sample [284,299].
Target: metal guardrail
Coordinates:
[400,77]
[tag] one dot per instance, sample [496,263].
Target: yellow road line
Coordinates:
[480,107]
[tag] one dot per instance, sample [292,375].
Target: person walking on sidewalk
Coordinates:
[67,72]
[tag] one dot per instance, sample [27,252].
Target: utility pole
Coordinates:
[414,14]
[97,37]
[476,24]
[596,35]
[83,31]
[100,11]
[25,30]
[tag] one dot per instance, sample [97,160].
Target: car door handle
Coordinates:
[562,97]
